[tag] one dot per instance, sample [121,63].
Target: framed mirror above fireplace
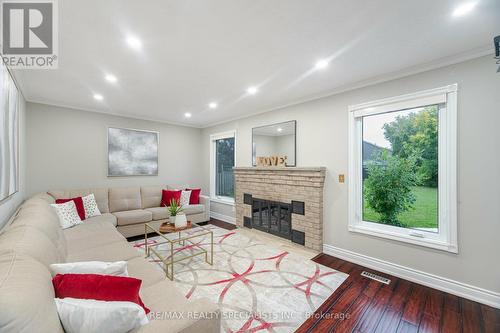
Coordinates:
[275,140]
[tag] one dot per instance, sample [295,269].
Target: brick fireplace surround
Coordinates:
[285,185]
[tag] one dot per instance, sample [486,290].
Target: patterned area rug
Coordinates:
[257,287]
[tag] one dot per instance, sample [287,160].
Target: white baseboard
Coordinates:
[477,294]
[225,218]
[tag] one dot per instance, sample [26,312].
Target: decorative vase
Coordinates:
[179,220]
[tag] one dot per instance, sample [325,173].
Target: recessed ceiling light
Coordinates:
[252,90]
[464,8]
[98,97]
[134,42]
[279,129]
[212,105]
[321,64]
[187,115]
[111,78]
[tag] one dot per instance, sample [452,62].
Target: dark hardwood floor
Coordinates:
[222,224]
[364,305]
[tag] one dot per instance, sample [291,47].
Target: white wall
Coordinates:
[322,140]
[67,148]
[9,205]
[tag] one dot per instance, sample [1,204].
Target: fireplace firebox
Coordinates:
[272,217]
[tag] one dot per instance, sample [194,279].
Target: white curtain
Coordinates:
[9,113]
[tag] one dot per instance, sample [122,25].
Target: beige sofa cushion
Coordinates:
[86,230]
[105,218]
[32,242]
[151,196]
[193,209]
[77,246]
[133,216]
[197,316]
[142,269]
[159,213]
[132,230]
[153,295]
[89,235]
[124,198]
[38,214]
[27,296]
[100,194]
[110,252]
[45,197]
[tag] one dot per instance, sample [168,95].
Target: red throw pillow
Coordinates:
[194,199]
[78,203]
[168,195]
[98,287]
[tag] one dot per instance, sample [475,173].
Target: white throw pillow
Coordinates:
[185,195]
[90,206]
[67,213]
[117,268]
[88,315]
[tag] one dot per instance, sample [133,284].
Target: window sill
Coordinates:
[425,242]
[223,200]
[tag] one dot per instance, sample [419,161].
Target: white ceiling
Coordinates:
[195,52]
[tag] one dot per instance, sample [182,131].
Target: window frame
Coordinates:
[446,237]
[213,139]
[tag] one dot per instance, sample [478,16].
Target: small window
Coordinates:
[222,163]
[403,168]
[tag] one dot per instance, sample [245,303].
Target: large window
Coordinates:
[403,168]
[222,163]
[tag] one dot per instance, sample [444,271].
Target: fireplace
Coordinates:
[283,201]
[272,217]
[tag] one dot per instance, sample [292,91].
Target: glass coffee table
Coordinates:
[174,254]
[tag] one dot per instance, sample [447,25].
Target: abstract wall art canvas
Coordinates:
[9,127]
[132,152]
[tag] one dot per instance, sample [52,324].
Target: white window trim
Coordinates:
[213,138]
[446,238]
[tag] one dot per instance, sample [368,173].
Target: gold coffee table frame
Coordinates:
[169,261]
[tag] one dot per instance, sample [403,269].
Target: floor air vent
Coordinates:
[375,277]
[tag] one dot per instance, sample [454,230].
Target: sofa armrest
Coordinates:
[205,201]
[206,317]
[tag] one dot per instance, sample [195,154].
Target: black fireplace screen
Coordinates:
[272,217]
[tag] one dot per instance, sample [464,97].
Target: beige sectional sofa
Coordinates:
[34,240]
[130,207]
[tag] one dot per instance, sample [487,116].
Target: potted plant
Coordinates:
[177,217]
